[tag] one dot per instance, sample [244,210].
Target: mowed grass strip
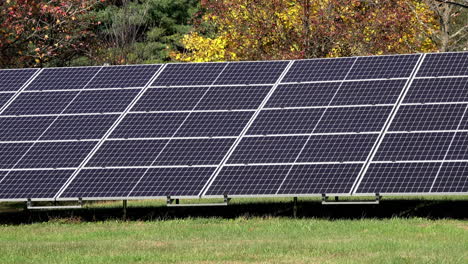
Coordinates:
[239,240]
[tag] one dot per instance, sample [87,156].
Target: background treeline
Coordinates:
[40,33]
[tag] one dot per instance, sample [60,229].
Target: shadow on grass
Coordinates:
[431,209]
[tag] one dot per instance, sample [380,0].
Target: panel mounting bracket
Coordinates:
[30,206]
[326,201]
[170,203]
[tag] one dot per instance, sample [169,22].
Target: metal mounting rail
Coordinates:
[325,200]
[29,206]
[170,203]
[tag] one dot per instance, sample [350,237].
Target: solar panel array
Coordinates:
[361,125]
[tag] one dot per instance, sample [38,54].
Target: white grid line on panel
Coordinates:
[208,85]
[315,127]
[193,111]
[384,130]
[244,131]
[178,128]
[25,85]
[83,89]
[449,147]
[417,161]
[48,127]
[48,141]
[111,129]
[441,77]
[436,103]
[60,115]
[325,106]
[347,81]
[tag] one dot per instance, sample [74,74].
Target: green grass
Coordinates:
[249,231]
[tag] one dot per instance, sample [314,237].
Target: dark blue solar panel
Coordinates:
[267,150]
[170,99]
[63,78]
[123,76]
[4,98]
[102,101]
[444,64]
[459,147]
[248,180]
[438,90]
[414,146]
[383,67]
[354,119]
[23,128]
[149,125]
[33,184]
[452,177]
[194,152]
[96,183]
[287,121]
[158,182]
[320,179]
[210,124]
[56,155]
[306,94]
[369,92]
[338,148]
[428,117]
[11,153]
[261,72]
[38,103]
[13,80]
[231,98]
[127,153]
[79,127]
[189,74]
[319,70]
[399,178]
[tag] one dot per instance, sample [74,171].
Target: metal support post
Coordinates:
[124,210]
[295,207]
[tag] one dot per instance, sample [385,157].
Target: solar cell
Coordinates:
[170,99]
[232,98]
[353,119]
[319,70]
[267,150]
[399,178]
[337,148]
[302,95]
[459,147]
[260,72]
[101,183]
[210,124]
[375,67]
[162,182]
[194,152]
[39,103]
[11,153]
[32,183]
[189,74]
[452,178]
[428,117]
[24,128]
[120,153]
[90,127]
[104,101]
[320,179]
[63,78]
[285,121]
[444,64]
[414,146]
[13,80]
[248,180]
[438,91]
[149,125]
[123,76]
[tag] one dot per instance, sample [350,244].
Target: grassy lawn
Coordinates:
[397,231]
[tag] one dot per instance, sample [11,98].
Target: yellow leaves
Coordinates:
[203,49]
[46,37]
[37,61]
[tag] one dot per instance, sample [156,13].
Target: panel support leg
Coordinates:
[124,217]
[295,207]
[177,201]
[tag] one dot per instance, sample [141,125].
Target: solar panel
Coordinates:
[362,125]
[13,80]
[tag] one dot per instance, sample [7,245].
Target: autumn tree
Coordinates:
[34,33]
[293,29]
